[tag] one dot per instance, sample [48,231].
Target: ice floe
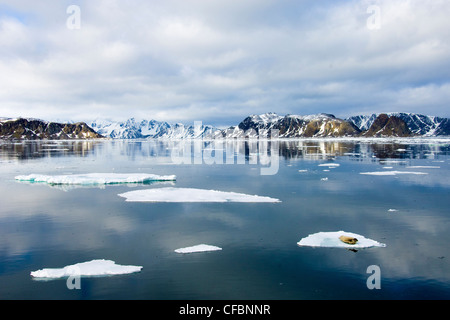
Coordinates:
[392,210]
[171,194]
[198,248]
[329,165]
[391,173]
[95,178]
[423,167]
[331,239]
[99,267]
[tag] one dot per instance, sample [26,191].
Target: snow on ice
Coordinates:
[95,178]
[331,239]
[171,194]
[198,248]
[98,267]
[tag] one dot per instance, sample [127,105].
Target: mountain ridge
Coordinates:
[37,129]
[288,126]
[392,124]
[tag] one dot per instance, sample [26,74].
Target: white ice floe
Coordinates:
[303,170]
[391,173]
[198,248]
[392,210]
[324,179]
[95,178]
[98,267]
[329,165]
[171,194]
[424,167]
[331,239]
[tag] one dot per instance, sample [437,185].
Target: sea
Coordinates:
[393,191]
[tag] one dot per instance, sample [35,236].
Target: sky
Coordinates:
[218,61]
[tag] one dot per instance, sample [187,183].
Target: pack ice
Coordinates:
[98,267]
[331,239]
[95,178]
[172,194]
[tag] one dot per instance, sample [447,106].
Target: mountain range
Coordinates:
[253,126]
[288,126]
[36,129]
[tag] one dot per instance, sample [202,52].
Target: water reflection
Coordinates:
[27,150]
[228,151]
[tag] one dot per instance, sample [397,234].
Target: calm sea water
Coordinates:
[51,227]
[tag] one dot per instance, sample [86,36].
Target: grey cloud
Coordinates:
[213,60]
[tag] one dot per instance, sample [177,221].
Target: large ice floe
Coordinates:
[98,267]
[198,248]
[95,178]
[331,240]
[172,194]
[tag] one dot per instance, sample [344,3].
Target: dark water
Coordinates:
[51,227]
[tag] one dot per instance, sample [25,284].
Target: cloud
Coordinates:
[218,61]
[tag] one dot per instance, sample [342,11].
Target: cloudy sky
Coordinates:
[218,61]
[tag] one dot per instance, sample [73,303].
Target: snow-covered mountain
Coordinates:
[419,124]
[36,129]
[294,126]
[142,129]
[288,126]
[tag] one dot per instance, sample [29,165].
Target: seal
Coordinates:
[348,240]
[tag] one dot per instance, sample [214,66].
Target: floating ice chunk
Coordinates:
[303,170]
[329,165]
[171,194]
[392,210]
[98,267]
[391,173]
[198,248]
[392,161]
[331,239]
[95,178]
[424,167]
[324,179]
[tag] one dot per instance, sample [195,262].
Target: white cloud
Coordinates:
[218,60]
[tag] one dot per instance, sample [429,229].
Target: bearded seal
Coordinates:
[348,240]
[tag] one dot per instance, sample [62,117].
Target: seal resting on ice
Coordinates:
[348,240]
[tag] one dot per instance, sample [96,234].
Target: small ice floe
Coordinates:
[423,167]
[303,170]
[95,178]
[198,248]
[391,173]
[324,179]
[392,210]
[338,239]
[98,267]
[329,165]
[393,161]
[388,167]
[171,194]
